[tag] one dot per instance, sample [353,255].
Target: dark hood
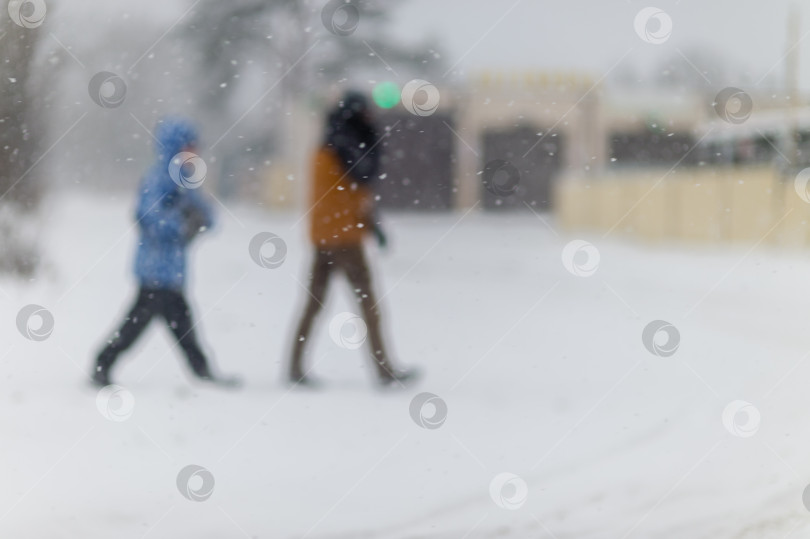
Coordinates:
[350,132]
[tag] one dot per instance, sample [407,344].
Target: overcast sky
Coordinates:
[595,34]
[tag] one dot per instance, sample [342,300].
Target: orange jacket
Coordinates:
[341,208]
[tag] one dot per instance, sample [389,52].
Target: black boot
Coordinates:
[303,380]
[100,377]
[399,377]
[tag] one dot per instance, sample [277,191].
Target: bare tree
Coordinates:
[20,190]
[293,57]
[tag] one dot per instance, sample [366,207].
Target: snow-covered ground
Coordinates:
[543,372]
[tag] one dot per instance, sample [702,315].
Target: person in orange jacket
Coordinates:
[341,215]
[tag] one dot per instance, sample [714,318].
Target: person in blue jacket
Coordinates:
[170,213]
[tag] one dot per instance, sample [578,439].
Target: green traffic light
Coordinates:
[385,95]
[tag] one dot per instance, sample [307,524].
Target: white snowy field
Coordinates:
[544,375]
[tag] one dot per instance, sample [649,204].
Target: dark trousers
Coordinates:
[173,308]
[352,262]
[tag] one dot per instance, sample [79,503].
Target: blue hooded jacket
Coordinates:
[163,212]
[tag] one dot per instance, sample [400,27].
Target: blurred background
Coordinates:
[598,214]
[565,92]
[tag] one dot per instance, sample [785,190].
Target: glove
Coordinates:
[379,235]
[195,222]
